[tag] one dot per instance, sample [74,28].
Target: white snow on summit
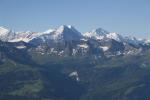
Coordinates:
[114,36]
[96,34]
[6,34]
[67,33]
[25,36]
[64,32]
[4,31]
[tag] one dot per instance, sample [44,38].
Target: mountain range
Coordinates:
[66,40]
[66,32]
[65,64]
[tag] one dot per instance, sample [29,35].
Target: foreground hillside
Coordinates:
[30,75]
[64,64]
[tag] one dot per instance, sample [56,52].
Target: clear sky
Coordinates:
[129,17]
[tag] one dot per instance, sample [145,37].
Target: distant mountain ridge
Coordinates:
[66,32]
[66,40]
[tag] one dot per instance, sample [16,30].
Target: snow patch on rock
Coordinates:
[104,48]
[75,74]
[83,46]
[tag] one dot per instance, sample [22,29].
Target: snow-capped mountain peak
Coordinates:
[61,33]
[59,29]
[24,36]
[98,33]
[6,34]
[4,31]
[63,28]
[67,32]
[114,36]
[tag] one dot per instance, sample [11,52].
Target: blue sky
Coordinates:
[129,17]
